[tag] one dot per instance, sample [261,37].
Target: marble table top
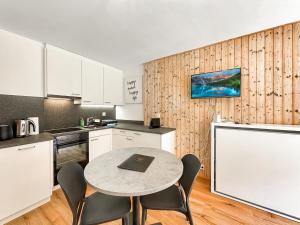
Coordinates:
[103,174]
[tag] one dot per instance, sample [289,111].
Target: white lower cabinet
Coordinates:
[99,143]
[26,174]
[126,138]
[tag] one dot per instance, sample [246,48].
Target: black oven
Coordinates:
[70,147]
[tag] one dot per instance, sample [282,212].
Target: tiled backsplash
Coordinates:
[53,113]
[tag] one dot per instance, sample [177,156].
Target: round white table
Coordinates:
[103,174]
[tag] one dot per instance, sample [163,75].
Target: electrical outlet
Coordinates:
[202,167]
[103,113]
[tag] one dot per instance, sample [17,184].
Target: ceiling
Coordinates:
[127,33]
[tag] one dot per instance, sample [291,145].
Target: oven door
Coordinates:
[72,152]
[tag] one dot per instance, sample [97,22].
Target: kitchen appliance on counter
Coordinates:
[26,127]
[69,145]
[34,130]
[6,132]
[154,123]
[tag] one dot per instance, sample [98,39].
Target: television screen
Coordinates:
[225,83]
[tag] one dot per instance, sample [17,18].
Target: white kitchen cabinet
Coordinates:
[63,72]
[113,86]
[21,66]
[27,177]
[100,142]
[127,138]
[92,83]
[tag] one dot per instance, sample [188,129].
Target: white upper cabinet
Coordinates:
[92,82]
[21,66]
[63,72]
[113,86]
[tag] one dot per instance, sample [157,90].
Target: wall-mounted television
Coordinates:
[219,84]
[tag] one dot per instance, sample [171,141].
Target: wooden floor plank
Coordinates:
[207,208]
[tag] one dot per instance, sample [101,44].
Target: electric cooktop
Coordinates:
[64,130]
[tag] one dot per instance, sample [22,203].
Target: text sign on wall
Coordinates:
[133,90]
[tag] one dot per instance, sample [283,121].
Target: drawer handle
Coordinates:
[95,139]
[26,148]
[75,94]
[122,131]
[137,133]
[87,101]
[129,139]
[108,102]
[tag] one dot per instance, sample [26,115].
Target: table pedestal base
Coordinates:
[135,214]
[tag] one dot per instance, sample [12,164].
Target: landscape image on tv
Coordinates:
[225,83]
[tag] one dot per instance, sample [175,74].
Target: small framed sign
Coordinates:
[133,90]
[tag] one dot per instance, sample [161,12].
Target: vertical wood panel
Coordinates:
[230,66]
[192,108]
[245,80]
[178,106]
[238,64]
[146,93]
[278,75]
[269,76]
[197,107]
[260,76]
[270,87]
[287,74]
[252,78]
[225,101]
[296,73]
[182,112]
[218,66]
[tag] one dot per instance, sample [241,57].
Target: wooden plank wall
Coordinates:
[270,65]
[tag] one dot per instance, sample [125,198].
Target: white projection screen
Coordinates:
[260,167]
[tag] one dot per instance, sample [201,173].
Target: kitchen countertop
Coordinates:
[142,128]
[26,140]
[45,136]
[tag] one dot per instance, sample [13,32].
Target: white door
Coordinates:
[63,72]
[113,86]
[26,175]
[99,145]
[92,83]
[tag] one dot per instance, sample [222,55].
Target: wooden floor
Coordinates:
[207,209]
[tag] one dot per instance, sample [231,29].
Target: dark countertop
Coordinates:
[26,140]
[142,128]
[45,136]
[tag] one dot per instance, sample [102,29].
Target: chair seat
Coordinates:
[100,208]
[168,199]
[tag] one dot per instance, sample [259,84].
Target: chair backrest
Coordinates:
[71,179]
[191,167]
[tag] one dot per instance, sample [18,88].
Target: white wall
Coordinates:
[131,111]
[21,64]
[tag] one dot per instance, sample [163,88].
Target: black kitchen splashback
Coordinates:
[52,113]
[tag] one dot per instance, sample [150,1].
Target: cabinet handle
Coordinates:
[129,139]
[108,102]
[87,101]
[26,148]
[122,131]
[75,94]
[137,133]
[95,139]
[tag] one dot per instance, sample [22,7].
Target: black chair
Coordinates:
[175,198]
[95,209]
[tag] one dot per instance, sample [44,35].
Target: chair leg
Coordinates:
[189,215]
[144,216]
[126,219]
